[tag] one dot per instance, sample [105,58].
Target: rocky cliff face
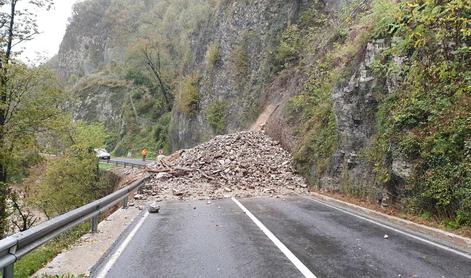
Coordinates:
[100,99]
[355,108]
[84,47]
[244,34]
[313,72]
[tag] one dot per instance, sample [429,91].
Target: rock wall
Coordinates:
[100,99]
[85,44]
[355,106]
[245,33]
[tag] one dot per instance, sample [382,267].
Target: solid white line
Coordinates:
[299,265]
[104,271]
[468,256]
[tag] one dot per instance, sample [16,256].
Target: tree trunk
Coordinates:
[3,114]
[3,203]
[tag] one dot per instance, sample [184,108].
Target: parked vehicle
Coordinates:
[102,154]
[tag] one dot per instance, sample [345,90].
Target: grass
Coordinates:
[105,166]
[34,261]
[212,54]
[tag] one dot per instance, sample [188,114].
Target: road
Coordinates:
[298,237]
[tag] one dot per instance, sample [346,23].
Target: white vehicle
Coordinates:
[102,154]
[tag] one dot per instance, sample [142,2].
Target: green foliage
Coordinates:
[322,41]
[240,64]
[289,48]
[212,54]
[34,261]
[162,133]
[188,95]
[428,116]
[33,111]
[73,179]
[139,78]
[216,116]
[382,16]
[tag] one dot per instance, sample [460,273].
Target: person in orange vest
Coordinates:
[144,154]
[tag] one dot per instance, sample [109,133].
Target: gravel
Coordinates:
[244,164]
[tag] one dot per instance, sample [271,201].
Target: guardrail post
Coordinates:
[125,203]
[8,271]
[95,224]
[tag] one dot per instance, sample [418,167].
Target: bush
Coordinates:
[161,133]
[288,51]
[188,95]
[216,116]
[429,117]
[212,54]
[240,64]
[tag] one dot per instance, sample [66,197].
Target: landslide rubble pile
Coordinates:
[244,164]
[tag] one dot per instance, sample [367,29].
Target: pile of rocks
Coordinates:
[244,164]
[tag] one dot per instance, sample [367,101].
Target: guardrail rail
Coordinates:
[16,246]
[126,164]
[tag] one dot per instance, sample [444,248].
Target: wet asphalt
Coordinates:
[196,239]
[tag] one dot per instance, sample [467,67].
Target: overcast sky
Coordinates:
[52,25]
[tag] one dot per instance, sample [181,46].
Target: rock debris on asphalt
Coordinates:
[244,164]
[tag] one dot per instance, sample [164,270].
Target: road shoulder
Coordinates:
[86,253]
[432,234]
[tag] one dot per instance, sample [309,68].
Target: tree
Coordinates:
[72,180]
[17,24]
[23,218]
[152,61]
[158,69]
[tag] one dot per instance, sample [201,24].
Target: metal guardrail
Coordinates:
[126,164]
[16,246]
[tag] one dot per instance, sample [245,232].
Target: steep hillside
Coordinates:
[233,64]
[371,97]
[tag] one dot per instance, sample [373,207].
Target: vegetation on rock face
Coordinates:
[428,117]
[213,55]
[188,95]
[216,116]
[145,43]
[312,110]
[425,120]
[288,51]
[240,64]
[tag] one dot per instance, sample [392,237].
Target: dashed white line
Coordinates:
[104,271]
[297,263]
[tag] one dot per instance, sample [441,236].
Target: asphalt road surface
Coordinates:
[290,237]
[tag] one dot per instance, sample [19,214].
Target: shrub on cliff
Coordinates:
[216,116]
[429,114]
[213,55]
[188,95]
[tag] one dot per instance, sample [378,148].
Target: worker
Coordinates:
[160,157]
[144,154]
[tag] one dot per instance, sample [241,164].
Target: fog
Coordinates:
[52,25]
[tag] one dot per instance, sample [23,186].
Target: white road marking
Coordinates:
[299,265]
[438,245]
[104,271]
